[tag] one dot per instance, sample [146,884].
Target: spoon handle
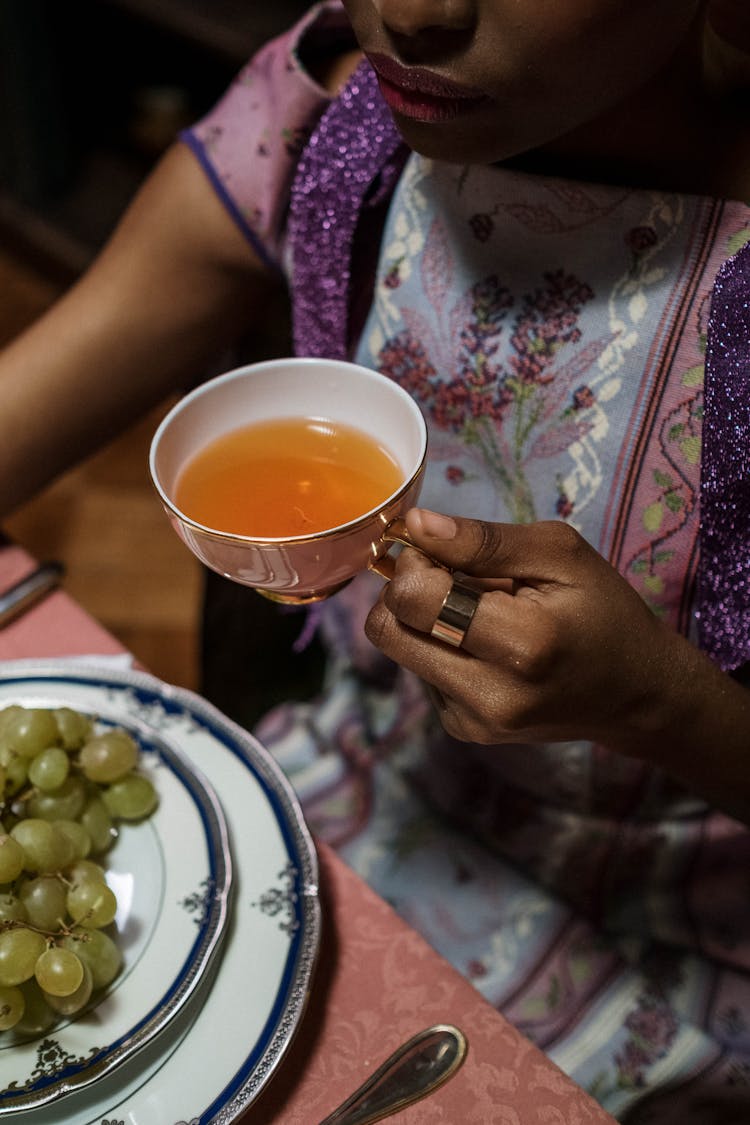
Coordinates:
[417,1068]
[29,590]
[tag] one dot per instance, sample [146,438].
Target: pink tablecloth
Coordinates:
[376,983]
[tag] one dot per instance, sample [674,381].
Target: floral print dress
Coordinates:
[553,334]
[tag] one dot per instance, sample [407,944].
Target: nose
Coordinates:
[413,18]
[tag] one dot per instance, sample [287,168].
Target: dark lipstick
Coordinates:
[422,94]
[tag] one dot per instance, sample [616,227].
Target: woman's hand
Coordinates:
[560,646]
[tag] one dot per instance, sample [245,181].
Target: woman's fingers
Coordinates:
[477,694]
[504,628]
[568,651]
[532,554]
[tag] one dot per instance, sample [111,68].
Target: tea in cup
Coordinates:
[287,475]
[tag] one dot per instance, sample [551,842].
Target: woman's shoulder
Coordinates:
[250,141]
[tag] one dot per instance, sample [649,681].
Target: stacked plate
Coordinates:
[218,921]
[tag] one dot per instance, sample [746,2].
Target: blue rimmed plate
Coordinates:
[172,878]
[215,1052]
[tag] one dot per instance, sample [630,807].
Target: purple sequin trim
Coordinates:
[724,588]
[354,142]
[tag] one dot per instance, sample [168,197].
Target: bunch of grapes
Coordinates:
[64,785]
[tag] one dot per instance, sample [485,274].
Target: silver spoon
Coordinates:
[417,1068]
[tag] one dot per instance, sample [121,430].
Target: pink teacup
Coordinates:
[303,568]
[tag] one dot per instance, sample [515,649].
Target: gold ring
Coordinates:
[456,614]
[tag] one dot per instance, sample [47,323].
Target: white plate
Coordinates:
[172,878]
[215,1055]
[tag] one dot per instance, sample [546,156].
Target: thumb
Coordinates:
[528,552]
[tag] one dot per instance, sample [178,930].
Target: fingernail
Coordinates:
[435,525]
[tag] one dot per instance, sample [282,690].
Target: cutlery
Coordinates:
[29,590]
[418,1067]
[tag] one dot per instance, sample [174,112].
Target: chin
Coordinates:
[436,144]
[454,143]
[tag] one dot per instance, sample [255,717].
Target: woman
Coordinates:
[518,213]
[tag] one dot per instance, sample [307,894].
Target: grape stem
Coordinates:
[51,935]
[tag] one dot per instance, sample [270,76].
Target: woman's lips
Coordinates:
[422,94]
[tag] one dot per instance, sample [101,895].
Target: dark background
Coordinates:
[91,91]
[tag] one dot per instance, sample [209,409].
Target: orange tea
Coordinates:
[286,477]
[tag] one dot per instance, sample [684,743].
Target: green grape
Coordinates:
[49,769]
[92,905]
[79,783]
[65,803]
[8,715]
[29,731]
[73,1003]
[77,835]
[73,727]
[12,909]
[45,900]
[12,1007]
[107,757]
[20,949]
[65,848]
[131,798]
[58,971]
[97,950]
[38,1017]
[86,871]
[97,821]
[12,859]
[16,774]
[38,840]
[47,848]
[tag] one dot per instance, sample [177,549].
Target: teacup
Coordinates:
[309,566]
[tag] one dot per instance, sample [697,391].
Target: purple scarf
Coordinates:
[352,160]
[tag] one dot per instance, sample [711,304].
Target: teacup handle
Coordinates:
[397,532]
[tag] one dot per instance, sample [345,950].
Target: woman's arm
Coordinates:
[172,288]
[561,647]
